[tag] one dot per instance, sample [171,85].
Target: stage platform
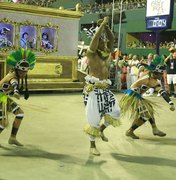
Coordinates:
[56,148]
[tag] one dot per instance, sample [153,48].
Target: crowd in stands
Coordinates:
[97,7]
[42,3]
[124,71]
[149,45]
[107,7]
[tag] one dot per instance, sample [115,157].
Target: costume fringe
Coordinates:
[130,103]
[91,87]
[93,131]
[112,121]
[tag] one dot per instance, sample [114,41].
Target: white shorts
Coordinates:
[100,102]
[171,78]
[97,105]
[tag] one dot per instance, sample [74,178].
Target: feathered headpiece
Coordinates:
[22,59]
[156,66]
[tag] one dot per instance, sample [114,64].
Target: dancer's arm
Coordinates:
[168,57]
[14,84]
[110,37]
[94,43]
[166,97]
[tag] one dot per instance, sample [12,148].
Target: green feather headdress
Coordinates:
[22,59]
[157,65]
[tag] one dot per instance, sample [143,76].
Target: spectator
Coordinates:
[171,72]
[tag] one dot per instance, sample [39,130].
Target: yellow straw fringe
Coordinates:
[129,105]
[91,87]
[92,131]
[112,121]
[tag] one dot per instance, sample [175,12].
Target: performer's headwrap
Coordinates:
[23,60]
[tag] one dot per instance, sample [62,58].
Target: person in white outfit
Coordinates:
[134,70]
[99,100]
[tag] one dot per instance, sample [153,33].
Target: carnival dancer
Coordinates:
[21,61]
[139,109]
[99,100]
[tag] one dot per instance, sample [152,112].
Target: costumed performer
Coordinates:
[21,61]
[99,100]
[139,109]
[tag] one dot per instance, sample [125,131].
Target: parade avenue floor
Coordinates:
[56,148]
